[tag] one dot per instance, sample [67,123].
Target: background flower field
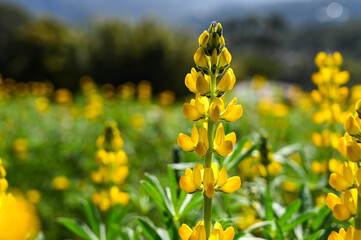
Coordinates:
[89,119]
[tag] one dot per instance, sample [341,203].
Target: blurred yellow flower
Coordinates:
[166,98]
[144,90]
[63,96]
[18,218]
[61,183]
[33,196]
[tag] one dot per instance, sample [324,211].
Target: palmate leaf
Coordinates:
[79,228]
[153,180]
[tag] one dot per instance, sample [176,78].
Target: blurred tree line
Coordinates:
[36,49]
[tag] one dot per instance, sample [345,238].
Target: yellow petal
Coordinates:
[332,200]
[185,232]
[222,177]
[353,152]
[341,212]
[187,184]
[231,137]
[338,182]
[201,149]
[228,234]
[194,134]
[202,85]
[203,136]
[219,138]
[197,175]
[185,142]
[342,77]
[214,113]
[215,235]
[224,58]
[190,83]
[233,115]
[232,184]
[191,112]
[225,148]
[200,58]
[203,39]
[334,236]
[215,170]
[210,191]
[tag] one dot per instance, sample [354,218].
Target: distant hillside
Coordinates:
[189,12]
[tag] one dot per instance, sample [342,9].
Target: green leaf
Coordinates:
[268,205]
[292,209]
[190,203]
[148,228]
[315,235]
[258,225]
[279,232]
[237,159]
[152,191]
[173,186]
[298,220]
[154,181]
[92,215]
[319,219]
[79,228]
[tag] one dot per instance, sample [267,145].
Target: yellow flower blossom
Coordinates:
[345,207]
[218,111]
[351,234]
[197,83]
[223,144]
[349,176]
[201,59]
[199,233]
[197,108]
[353,125]
[197,142]
[209,180]
[226,83]
[350,148]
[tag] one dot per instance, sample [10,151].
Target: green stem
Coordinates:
[358,216]
[207,207]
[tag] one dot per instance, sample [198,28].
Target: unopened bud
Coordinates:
[200,59]
[224,58]
[203,39]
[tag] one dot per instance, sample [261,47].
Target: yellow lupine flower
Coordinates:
[223,144]
[199,232]
[349,176]
[197,108]
[335,165]
[227,82]
[197,83]
[351,234]
[350,148]
[192,180]
[345,207]
[197,142]
[217,110]
[209,180]
[352,124]
[201,59]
